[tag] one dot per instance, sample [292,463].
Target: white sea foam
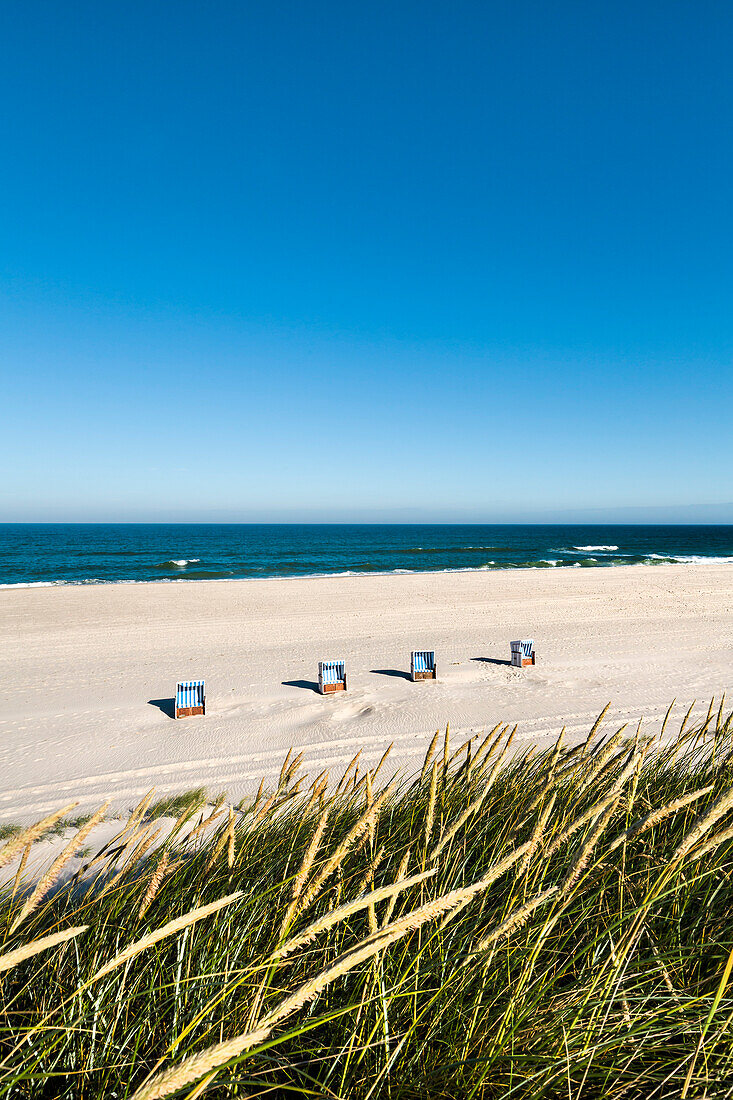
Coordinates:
[595,548]
[33,584]
[691,559]
[181,562]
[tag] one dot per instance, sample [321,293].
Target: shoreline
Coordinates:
[555,567]
[87,674]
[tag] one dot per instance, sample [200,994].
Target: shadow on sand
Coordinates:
[391,672]
[492,661]
[307,684]
[168,706]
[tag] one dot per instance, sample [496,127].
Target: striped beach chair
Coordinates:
[331,676]
[422,665]
[190,698]
[523,653]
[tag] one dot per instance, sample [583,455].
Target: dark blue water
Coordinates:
[96,553]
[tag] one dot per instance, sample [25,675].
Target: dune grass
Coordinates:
[507,923]
[175,804]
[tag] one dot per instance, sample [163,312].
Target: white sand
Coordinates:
[79,667]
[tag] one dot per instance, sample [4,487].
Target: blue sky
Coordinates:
[397,260]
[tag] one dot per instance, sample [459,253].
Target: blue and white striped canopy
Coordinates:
[423,660]
[525,647]
[331,672]
[190,693]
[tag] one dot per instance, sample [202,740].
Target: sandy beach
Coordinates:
[88,673]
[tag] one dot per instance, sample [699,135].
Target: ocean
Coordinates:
[52,554]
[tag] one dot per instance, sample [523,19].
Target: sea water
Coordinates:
[46,554]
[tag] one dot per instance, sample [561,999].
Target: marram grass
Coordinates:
[509,923]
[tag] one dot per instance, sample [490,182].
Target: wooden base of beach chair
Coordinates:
[528,661]
[188,712]
[328,689]
[429,674]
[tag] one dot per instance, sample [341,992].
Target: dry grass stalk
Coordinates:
[464,748]
[534,840]
[129,832]
[557,749]
[719,808]
[304,871]
[429,756]
[295,765]
[635,780]
[379,766]
[463,818]
[181,820]
[601,757]
[21,869]
[195,1067]
[317,781]
[343,782]
[576,824]
[499,762]
[28,950]
[369,803]
[495,873]
[719,725]
[17,843]
[634,763]
[381,939]
[670,708]
[127,856]
[258,796]
[284,769]
[343,912]
[715,841]
[446,749]
[199,1065]
[657,816]
[154,885]
[310,855]
[51,875]
[169,929]
[216,851]
[357,830]
[587,850]
[430,813]
[686,719]
[203,825]
[489,743]
[401,870]
[594,729]
[515,920]
[141,850]
[230,839]
[265,808]
[317,789]
[368,877]
[141,808]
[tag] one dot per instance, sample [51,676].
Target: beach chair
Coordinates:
[331,676]
[190,698]
[422,665]
[523,653]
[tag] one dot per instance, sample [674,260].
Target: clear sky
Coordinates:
[271,260]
